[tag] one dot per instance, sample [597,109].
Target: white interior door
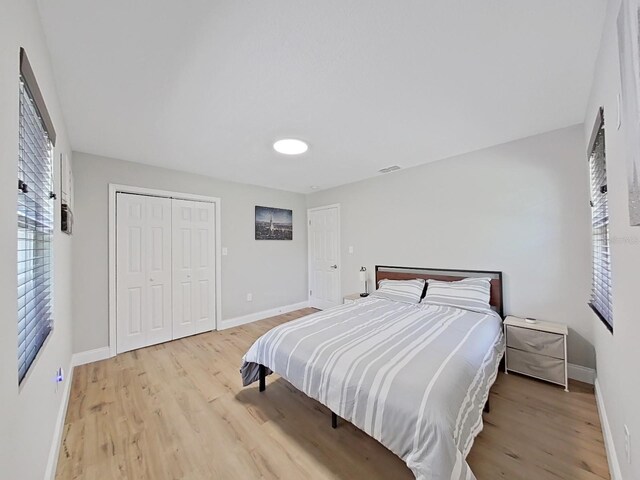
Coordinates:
[324,257]
[193,267]
[143,269]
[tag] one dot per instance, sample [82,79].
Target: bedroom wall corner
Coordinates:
[274,271]
[521,207]
[31,415]
[618,388]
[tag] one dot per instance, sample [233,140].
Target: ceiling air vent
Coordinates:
[392,168]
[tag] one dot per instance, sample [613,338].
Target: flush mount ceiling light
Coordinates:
[290,146]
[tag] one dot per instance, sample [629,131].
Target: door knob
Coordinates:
[334,266]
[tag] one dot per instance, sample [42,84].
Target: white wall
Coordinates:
[27,413]
[275,272]
[520,207]
[617,354]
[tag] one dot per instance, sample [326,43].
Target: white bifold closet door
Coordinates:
[165,269]
[193,267]
[143,271]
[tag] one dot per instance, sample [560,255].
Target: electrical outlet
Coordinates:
[627,443]
[350,249]
[224,251]
[59,377]
[249,297]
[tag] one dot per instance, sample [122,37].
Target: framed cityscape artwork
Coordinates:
[274,223]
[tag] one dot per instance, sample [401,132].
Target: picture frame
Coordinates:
[273,223]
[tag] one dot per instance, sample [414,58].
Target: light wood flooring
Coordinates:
[178,411]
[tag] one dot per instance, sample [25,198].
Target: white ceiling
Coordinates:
[207,86]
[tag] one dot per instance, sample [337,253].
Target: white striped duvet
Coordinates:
[414,377]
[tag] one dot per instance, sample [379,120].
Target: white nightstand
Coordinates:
[537,349]
[354,297]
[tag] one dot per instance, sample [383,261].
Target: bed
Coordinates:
[416,377]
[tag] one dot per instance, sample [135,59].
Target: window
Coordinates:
[35,220]
[601,286]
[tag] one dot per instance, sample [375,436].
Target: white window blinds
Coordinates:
[35,231]
[601,283]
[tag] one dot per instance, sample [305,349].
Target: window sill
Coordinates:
[602,319]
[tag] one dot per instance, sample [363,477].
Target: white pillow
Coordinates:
[470,294]
[407,291]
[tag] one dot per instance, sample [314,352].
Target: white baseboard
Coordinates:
[90,356]
[102,353]
[612,457]
[582,374]
[52,461]
[253,317]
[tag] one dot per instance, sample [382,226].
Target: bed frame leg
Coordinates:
[263,374]
[334,420]
[487,407]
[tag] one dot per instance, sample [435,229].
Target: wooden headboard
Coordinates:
[407,273]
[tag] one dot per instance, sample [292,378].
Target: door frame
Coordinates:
[114,189]
[314,209]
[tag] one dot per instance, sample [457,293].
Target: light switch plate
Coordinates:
[224,251]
